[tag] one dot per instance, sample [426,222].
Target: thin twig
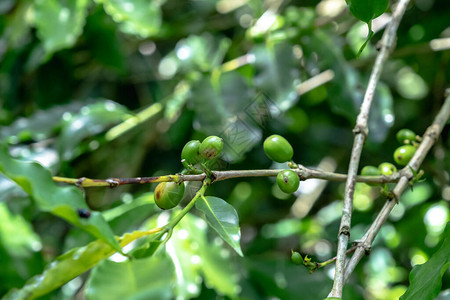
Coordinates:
[361,132]
[429,139]
[303,172]
[314,82]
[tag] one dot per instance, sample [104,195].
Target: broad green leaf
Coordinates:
[276,74]
[68,266]
[100,31]
[223,218]
[16,234]
[216,108]
[60,201]
[91,120]
[426,279]
[367,10]
[185,256]
[129,214]
[347,95]
[141,17]
[38,126]
[192,253]
[195,53]
[59,23]
[63,269]
[148,278]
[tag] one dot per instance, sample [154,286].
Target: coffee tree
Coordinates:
[203,149]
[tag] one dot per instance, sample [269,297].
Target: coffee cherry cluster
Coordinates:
[410,142]
[169,194]
[195,152]
[278,149]
[402,155]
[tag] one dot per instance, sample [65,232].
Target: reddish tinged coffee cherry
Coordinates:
[405,135]
[211,147]
[403,154]
[278,149]
[168,194]
[191,152]
[387,169]
[288,181]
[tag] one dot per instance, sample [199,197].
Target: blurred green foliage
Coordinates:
[109,88]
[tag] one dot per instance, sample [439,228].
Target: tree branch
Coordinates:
[361,132]
[429,139]
[303,172]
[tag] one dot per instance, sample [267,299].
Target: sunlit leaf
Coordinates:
[202,256]
[426,279]
[185,256]
[223,218]
[148,278]
[63,269]
[141,17]
[68,266]
[91,120]
[60,201]
[16,234]
[59,23]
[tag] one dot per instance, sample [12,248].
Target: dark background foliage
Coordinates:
[72,70]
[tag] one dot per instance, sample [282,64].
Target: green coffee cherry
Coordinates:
[288,181]
[278,149]
[370,171]
[387,169]
[191,152]
[211,147]
[405,135]
[168,194]
[403,154]
[296,258]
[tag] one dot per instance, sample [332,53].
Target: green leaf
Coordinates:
[149,278]
[367,10]
[60,201]
[63,269]
[195,254]
[347,95]
[223,218]
[426,279]
[185,256]
[40,125]
[129,214]
[68,266]
[216,108]
[59,23]
[277,75]
[16,234]
[92,119]
[141,17]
